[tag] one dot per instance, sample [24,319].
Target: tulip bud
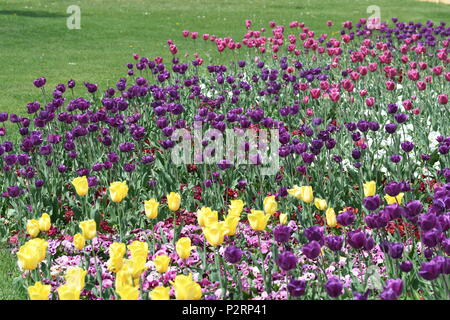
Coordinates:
[33,228]
[370,188]
[258,220]
[160,293]
[183,247]
[39,291]
[174,201]
[161,263]
[151,208]
[81,185]
[78,241]
[320,204]
[270,205]
[186,289]
[89,229]
[331,217]
[68,292]
[118,191]
[44,222]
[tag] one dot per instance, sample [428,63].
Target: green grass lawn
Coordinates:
[34,39]
[35,42]
[8,271]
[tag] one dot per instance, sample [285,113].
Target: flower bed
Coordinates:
[352,201]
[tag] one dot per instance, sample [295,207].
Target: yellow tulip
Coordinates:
[115,264]
[117,249]
[331,217]
[174,201]
[320,204]
[151,208]
[78,241]
[89,229]
[231,222]
[68,292]
[44,222]
[135,266]
[304,193]
[128,293]
[161,263]
[124,278]
[138,249]
[206,216]
[270,205]
[397,199]
[183,247]
[39,246]
[370,188]
[296,191]
[39,291]
[31,254]
[116,252]
[186,289]
[160,293]
[283,218]
[118,191]
[27,258]
[81,185]
[307,194]
[215,233]
[33,228]
[75,277]
[258,220]
[236,207]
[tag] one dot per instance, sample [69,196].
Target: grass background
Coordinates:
[35,42]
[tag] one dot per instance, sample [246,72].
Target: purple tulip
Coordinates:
[406,266]
[346,218]
[286,260]
[314,233]
[429,270]
[372,203]
[334,242]
[296,288]
[312,249]
[334,287]
[233,254]
[356,239]
[282,233]
[396,250]
[392,189]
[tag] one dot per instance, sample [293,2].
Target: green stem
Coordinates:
[217,260]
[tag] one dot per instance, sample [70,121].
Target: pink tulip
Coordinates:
[390,85]
[315,93]
[370,101]
[443,98]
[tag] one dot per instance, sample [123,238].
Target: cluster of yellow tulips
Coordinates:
[306,194]
[128,271]
[215,230]
[35,226]
[118,190]
[34,252]
[75,281]
[151,206]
